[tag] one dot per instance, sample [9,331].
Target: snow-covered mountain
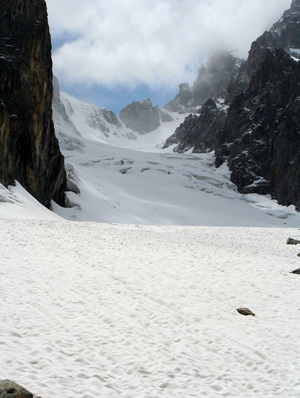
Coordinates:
[119,175]
[119,170]
[116,310]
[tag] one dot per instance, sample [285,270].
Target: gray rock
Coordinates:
[9,389]
[292,241]
[198,132]
[142,116]
[245,311]
[71,186]
[296,271]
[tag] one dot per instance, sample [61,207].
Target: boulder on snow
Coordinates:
[245,311]
[296,271]
[292,241]
[9,389]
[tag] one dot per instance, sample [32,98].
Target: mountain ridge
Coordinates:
[217,129]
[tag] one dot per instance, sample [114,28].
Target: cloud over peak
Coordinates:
[152,42]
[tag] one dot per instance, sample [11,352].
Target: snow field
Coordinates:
[113,310]
[126,177]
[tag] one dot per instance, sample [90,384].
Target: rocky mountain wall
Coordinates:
[257,130]
[260,137]
[283,34]
[29,151]
[198,132]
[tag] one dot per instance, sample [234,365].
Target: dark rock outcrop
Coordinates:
[296,271]
[245,311]
[9,389]
[143,116]
[260,138]
[29,151]
[257,132]
[198,132]
[283,34]
[292,241]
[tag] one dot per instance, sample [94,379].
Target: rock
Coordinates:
[245,311]
[142,116]
[199,133]
[263,117]
[261,123]
[256,128]
[291,241]
[296,271]
[165,117]
[9,389]
[284,34]
[72,187]
[29,149]
[182,101]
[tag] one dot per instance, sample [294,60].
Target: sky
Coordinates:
[113,52]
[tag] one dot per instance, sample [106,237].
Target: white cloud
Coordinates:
[155,42]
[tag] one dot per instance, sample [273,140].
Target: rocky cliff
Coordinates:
[254,126]
[260,137]
[29,151]
[199,132]
[283,34]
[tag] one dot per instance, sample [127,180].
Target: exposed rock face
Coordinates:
[212,79]
[9,389]
[198,132]
[260,137]
[143,116]
[283,34]
[29,151]
[257,132]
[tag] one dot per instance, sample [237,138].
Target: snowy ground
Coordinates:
[126,177]
[106,310]
[120,309]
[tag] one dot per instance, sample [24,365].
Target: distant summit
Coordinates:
[143,116]
[212,79]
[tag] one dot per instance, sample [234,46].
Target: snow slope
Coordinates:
[126,177]
[108,310]
[129,310]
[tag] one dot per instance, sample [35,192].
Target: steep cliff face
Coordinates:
[260,138]
[199,132]
[29,151]
[283,34]
[257,131]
